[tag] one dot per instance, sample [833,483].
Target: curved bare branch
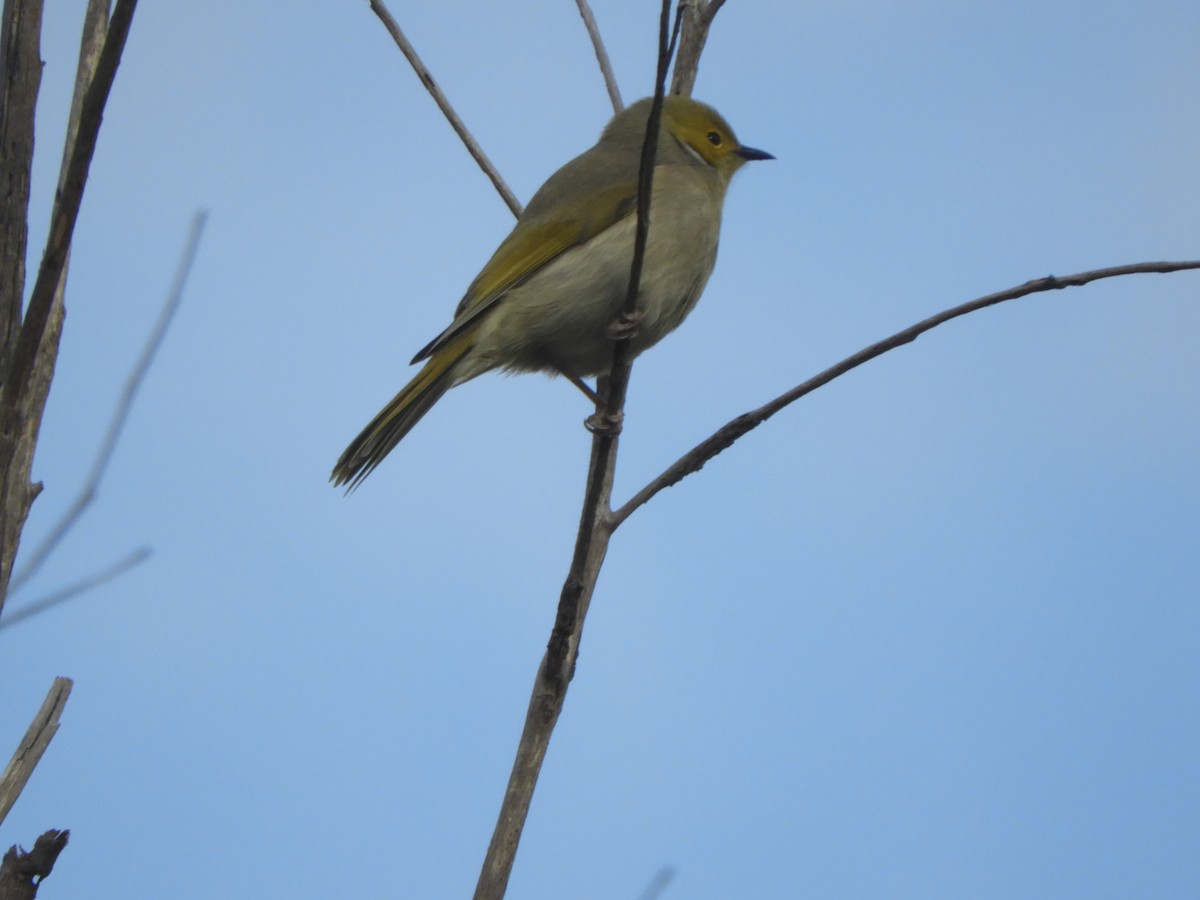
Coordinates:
[694,459]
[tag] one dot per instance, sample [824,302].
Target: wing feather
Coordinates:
[578,202]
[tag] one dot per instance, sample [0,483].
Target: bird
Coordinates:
[549,298]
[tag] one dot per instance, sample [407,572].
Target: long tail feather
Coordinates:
[397,418]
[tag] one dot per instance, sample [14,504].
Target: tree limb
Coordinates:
[67,203]
[21,69]
[29,369]
[694,459]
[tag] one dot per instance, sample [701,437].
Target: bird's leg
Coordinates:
[625,326]
[582,385]
[601,422]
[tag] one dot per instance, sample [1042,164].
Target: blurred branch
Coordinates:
[694,459]
[591,544]
[697,18]
[658,886]
[63,594]
[37,738]
[606,69]
[443,103]
[21,872]
[121,414]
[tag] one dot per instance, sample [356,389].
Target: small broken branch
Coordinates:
[37,738]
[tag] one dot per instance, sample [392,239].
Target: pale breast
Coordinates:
[558,319]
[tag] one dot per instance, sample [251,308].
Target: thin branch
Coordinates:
[37,738]
[558,664]
[439,98]
[694,459]
[133,382]
[606,69]
[697,18]
[71,591]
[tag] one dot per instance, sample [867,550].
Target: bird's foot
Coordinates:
[625,326]
[604,424]
[583,386]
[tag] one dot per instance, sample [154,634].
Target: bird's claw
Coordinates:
[625,326]
[604,424]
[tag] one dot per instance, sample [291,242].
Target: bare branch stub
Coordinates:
[37,738]
[21,872]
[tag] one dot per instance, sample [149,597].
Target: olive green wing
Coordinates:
[570,209]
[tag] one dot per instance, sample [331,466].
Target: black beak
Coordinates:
[749,153]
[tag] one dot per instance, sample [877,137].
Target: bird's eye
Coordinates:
[714,138]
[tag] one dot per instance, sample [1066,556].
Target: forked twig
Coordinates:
[67,203]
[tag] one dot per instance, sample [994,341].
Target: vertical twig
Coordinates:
[558,664]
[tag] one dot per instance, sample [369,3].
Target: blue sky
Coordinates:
[932,632]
